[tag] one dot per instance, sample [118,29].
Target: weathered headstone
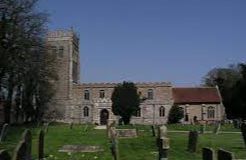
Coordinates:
[20,151]
[4,155]
[207,154]
[109,125]
[114,145]
[80,148]
[162,132]
[4,132]
[27,137]
[41,145]
[202,128]
[153,130]
[126,133]
[243,130]
[46,127]
[163,148]
[217,128]
[192,142]
[225,155]
[71,125]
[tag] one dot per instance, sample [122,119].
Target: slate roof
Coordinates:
[196,95]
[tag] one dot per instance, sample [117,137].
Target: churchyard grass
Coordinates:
[141,148]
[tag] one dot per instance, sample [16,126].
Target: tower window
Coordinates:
[61,50]
[86,111]
[150,94]
[54,50]
[162,111]
[101,93]
[86,95]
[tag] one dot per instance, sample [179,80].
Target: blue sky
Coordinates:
[153,40]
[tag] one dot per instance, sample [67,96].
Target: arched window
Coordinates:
[86,111]
[211,112]
[162,111]
[138,113]
[86,95]
[150,94]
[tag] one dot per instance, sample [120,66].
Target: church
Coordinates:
[91,102]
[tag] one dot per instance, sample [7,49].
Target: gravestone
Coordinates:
[225,155]
[162,131]
[217,128]
[20,151]
[243,131]
[207,154]
[202,128]
[71,125]
[80,148]
[114,144]
[27,137]
[113,133]
[126,133]
[4,155]
[41,145]
[153,130]
[109,125]
[4,132]
[192,142]
[163,148]
[46,127]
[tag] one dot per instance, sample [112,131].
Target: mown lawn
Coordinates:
[141,148]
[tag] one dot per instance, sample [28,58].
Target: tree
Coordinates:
[125,101]
[225,79]
[22,32]
[176,113]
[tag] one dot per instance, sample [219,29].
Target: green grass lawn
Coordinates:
[141,148]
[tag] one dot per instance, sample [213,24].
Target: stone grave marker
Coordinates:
[207,154]
[163,148]
[46,127]
[27,137]
[217,128]
[153,130]
[109,125]
[114,148]
[126,133]
[41,145]
[20,151]
[192,141]
[71,125]
[243,131]
[80,148]
[4,155]
[4,132]
[225,155]
[162,131]
[202,128]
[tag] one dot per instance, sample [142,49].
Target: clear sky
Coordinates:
[153,40]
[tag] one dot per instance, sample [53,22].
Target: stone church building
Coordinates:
[91,102]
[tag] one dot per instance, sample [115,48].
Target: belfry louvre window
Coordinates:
[86,111]
[86,95]
[211,112]
[162,111]
[101,93]
[150,94]
[53,50]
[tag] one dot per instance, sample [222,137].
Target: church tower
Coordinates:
[64,44]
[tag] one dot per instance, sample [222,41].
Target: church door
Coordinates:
[104,116]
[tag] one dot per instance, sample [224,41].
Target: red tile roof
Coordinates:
[196,95]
